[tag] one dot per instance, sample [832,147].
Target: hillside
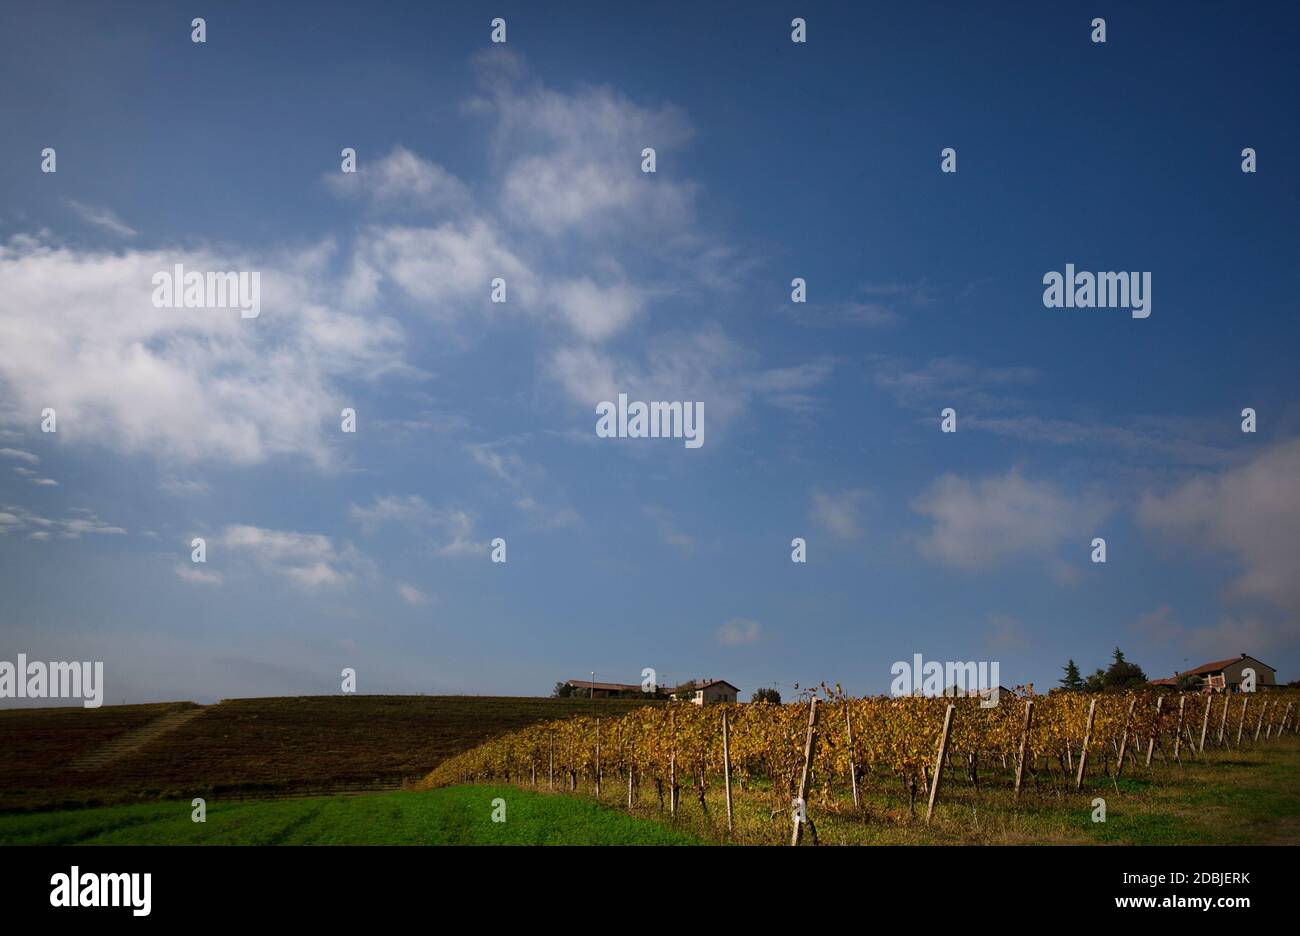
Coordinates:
[244,747]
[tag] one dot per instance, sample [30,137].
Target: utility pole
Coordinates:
[593,685]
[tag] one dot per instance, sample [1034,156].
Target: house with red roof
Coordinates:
[1224,675]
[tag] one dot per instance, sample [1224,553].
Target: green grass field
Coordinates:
[452,816]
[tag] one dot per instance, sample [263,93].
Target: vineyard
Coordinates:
[819,755]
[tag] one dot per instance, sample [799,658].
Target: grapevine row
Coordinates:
[677,749]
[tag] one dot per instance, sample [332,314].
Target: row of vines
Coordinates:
[678,750]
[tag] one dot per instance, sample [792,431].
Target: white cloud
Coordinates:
[983,522]
[447,269]
[574,160]
[509,467]
[987,399]
[20,455]
[192,573]
[413,510]
[506,466]
[830,314]
[703,365]
[1164,438]
[839,511]
[402,179]
[453,529]
[572,198]
[546,517]
[1228,636]
[81,335]
[412,595]
[566,215]
[1251,513]
[15,519]
[179,487]
[738,632]
[950,381]
[306,559]
[668,531]
[596,313]
[458,535]
[788,388]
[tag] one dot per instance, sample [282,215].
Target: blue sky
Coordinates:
[475,420]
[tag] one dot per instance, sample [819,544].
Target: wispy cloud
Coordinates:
[453,528]
[840,512]
[412,595]
[667,528]
[885,306]
[308,560]
[401,180]
[1250,513]
[195,575]
[979,523]
[992,400]
[1228,635]
[20,455]
[949,381]
[102,218]
[14,519]
[180,487]
[738,632]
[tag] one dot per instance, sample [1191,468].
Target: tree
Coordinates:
[766,695]
[562,691]
[686,690]
[1122,675]
[1071,682]
[1096,682]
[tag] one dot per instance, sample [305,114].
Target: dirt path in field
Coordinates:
[132,741]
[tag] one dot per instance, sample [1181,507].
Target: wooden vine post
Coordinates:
[1123,743]
[1178,732]
[550,735]
[597,758]
[1260,724]
[672,762]
[1223,722]
[808,746]
[1087,736]
[1205,722]
[853,767]
[1024,744]
[1245,702]
[1160,702]
[938,761]
[726,766]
